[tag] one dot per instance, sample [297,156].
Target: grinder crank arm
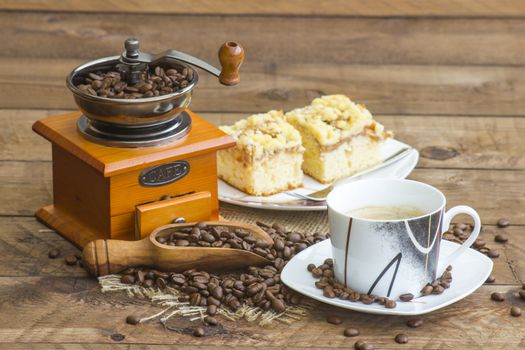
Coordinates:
[231,56]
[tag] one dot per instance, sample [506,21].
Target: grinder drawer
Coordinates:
[192,207]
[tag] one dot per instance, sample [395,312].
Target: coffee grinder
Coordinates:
[123,167]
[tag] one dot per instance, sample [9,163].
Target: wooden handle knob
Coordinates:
[231,56]
[104,257]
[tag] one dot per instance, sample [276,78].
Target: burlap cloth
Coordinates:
[168,299]
[301,221]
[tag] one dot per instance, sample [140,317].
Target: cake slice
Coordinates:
[267,158]
[340,137]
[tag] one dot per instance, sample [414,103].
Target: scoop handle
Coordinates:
[104,257]
[231,56]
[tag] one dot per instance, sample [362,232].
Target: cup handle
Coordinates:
[447,218]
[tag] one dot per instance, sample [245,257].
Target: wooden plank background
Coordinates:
[445,74]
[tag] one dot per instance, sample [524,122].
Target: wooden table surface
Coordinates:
[447,76]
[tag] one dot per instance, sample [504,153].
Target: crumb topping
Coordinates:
[333,118]
[264,133]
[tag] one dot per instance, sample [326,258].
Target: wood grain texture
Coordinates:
[56,310]
[385,89]
[76,231]
[446,75]
[24,245]
[25,242]
[61,130]
[192,208]
[81,192]
[493,193]
[480,142]
[407,8]
[271,40]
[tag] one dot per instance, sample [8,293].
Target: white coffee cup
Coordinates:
[391,257]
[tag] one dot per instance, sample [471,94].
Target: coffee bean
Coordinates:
[117,337]
[406,297]
[211,310]
[195,299]
[71,260]
[427,290]
[217,292]
[390,304]
[294,237]
[362,345]
[503,222]
[208,237]
[278,305]
[279,227]
[401,338]
[198,332]
[493,253]
[141,276]
[357,345]
[479,243]
[521,293]
[414,322]
[212,321]
[127,279]
[457,232]
[334,319]
[351,332]
[147,284]
[53,253]
[438,289]
[279,246]
[501,238]
[497,296]
[328,292]
[132,319]
[366,299]
[161,283]
[201,225]
[515,311]
[317,272]
[490,279]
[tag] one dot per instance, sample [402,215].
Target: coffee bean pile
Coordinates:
[285,245]
[156,82]
[439,285]
[334,289]
[460,232]
[257,286]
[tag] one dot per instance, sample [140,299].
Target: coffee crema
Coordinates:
[386,212]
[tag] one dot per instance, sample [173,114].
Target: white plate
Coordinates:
[397,170]
[469,271]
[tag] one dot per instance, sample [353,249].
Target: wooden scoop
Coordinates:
[107,256]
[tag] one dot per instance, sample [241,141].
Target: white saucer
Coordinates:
[469,272]
[397,170]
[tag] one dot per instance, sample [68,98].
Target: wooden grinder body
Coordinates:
[96,189]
